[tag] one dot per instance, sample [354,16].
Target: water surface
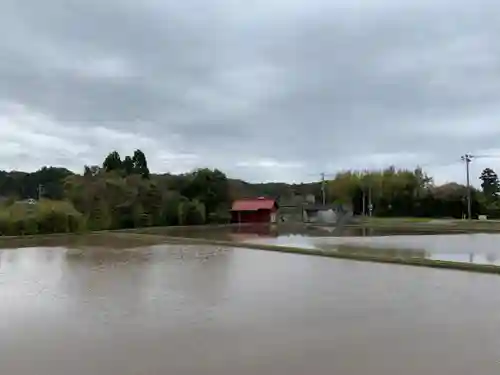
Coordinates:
[165,309]
[479,248]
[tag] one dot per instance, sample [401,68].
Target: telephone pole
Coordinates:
[467,158]
[40,191]
[370,205]
[323,194]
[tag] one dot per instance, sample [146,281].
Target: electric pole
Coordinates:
[323,195]
[40,191]
[363,205]
[367,184]
[467,158]
[370,205]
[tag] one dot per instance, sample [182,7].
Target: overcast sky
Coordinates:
[262,89]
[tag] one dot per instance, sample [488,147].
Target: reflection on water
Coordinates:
[172,309]
[480,248]
[469,248]
[273,231]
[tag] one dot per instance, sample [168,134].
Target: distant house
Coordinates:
[255,210]
[291,207]
[320,214]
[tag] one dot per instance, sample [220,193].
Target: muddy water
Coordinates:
[480,248]
[166,309]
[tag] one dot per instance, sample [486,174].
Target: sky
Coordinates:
[265,90]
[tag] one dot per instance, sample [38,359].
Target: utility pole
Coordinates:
[364,203]
[370,206]
[367,185]
[467,158]
[323,195]
[40,191]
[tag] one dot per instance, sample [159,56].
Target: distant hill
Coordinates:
[242,189]
[278,190]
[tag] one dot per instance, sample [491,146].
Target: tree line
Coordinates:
[123,193]
[119,194]
[413,193]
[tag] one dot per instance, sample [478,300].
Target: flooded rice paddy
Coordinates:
[478,248]
[102,307]
[134,305]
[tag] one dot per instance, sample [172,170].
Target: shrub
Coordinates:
[45,217]
[192,213]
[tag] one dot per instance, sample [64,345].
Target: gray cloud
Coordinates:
[265,90]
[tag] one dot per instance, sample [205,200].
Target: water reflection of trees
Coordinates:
[134,278]
[110,279]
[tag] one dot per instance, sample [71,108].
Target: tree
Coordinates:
[140,164]
[209,187]
[128,165]
[113,162]
[91,170]
[490,184]
[400,192]
[192,213]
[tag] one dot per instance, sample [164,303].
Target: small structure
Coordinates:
[256,210]
[291,208]
[310,199]
[327,214]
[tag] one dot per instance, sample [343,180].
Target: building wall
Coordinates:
[260,216]
[327,216]
[290,214]
[321,216]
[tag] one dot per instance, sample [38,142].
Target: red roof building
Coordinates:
[256,210]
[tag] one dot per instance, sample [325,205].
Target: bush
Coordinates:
[45,217]
[192,213]
[6,227]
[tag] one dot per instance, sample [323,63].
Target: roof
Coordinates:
[254,204]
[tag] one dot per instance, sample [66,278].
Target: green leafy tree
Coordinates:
[490,184]
[91,170]
[140,164]
[128,165]
[113,162]
[209,187]
[192,213]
